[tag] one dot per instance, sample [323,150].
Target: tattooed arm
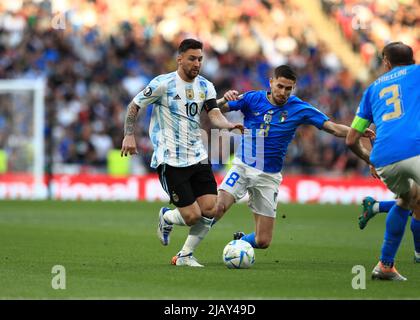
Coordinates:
[129,142]
[149,95]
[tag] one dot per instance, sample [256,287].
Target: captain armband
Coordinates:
[359,124]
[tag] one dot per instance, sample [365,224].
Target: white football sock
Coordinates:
[174,217]
[375,207]
[196,235]
[417,254]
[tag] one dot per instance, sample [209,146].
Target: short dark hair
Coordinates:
[189,44]
[286,72]
[398,54]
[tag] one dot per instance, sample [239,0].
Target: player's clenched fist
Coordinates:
[238,126]
[231,95]
[129,146]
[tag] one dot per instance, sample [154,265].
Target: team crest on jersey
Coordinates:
[147,92]
[189,94]
[175,196]
[267,118]
[202,95]
[283,116]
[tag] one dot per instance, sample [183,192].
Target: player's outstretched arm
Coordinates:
[218,120]
[129,142]
[341,130]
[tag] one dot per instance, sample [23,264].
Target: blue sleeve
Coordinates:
[365,109]
[240,104]
[314,117]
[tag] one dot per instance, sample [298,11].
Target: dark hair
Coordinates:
[286,72]
[189,44]
[398,54]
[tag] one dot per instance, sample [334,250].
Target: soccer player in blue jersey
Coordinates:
[271,119]
[392,103]
[179,156]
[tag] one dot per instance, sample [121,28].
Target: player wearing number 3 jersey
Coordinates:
[392,103]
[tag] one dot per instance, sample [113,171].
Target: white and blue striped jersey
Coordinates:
[175,123]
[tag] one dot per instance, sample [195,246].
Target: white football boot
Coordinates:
[187,260]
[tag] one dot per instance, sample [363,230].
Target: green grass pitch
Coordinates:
[110,251]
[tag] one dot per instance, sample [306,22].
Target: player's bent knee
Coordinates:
[192,219]
[220,210]
[209,212]
[263,243]
[415,201]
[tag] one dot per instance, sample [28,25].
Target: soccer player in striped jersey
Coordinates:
[392,103]
[179,155]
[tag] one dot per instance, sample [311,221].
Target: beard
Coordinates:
[191,74]
[280,101]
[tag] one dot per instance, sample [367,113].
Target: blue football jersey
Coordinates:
[392,103]
[270,128]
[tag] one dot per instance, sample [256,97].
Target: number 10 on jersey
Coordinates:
[191,109]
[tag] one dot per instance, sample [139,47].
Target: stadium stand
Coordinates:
[105,54]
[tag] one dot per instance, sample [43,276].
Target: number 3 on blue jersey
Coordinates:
[232,179]
[394,100]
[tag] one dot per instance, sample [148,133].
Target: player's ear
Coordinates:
[387,64]
[179,58]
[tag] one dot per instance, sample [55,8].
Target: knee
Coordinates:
[220,210]
[263,243]
[415,202]
[192,218]
[209,211]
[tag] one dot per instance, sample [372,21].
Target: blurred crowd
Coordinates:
[96,55]
[369,25]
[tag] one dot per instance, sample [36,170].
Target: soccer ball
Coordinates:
[238,254]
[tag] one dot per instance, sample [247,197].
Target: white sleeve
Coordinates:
[211,91]
[152,93]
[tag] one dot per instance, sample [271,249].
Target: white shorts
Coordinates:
[262,187]
[400,176]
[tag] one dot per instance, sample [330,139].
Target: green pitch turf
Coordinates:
[110,250]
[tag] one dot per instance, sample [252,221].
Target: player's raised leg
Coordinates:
[185,216]
[175,181]
[371,207]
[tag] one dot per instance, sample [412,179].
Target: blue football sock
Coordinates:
[250,238]
[394,231]
[385,206]
[415,228]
